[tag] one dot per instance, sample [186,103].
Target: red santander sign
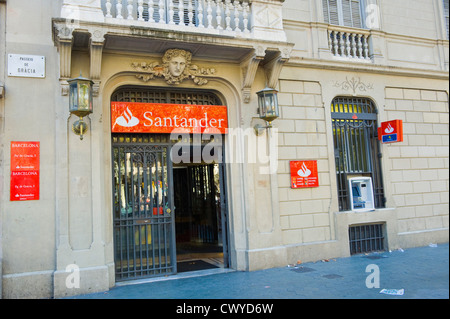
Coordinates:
[391,131]
[304,174]
[131,117]
[25,158]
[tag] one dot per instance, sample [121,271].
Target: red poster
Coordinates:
[24,156]
[304,174]
[168,118]
[24,171]
[24,185]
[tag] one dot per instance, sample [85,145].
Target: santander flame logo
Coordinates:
[304,171]
[389,129]
[127,119]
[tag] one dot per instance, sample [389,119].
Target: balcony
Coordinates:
[248,33]
[349,43]
[247,19]
[231,18]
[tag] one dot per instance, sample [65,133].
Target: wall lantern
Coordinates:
[80,102]
[268,109]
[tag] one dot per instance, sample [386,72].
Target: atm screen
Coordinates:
[355,191]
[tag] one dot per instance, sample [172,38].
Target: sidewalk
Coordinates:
[422,272]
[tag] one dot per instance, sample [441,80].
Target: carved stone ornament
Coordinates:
[353,85]
[175,68]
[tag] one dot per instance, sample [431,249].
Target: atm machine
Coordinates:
[361,193]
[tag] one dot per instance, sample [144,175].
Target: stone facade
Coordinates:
[400,63]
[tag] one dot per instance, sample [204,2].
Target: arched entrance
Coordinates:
[169,216]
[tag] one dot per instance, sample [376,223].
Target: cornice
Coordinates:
[366,67]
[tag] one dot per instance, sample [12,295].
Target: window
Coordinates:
[343,12]
[446,16]
[366,238]
[189,14]
[356,145]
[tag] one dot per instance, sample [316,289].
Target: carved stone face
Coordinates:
[177,65]
[175,68]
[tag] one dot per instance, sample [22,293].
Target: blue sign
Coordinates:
[390,138]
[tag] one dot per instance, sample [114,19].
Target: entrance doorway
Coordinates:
[168,218]
[198,218]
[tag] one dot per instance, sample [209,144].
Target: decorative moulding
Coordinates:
[354,85]
[176,67]
[249,67]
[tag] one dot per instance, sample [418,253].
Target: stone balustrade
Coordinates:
[247,19]
[349,43]
[231,17]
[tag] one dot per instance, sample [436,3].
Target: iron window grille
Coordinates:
[366,238]
[356,145]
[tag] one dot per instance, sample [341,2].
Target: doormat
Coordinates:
[193,265]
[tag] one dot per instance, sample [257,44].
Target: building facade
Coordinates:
[169,167]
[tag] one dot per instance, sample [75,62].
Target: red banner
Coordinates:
[24,171]
[304,174]
[130,117]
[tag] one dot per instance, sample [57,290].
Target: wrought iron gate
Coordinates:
[144,226]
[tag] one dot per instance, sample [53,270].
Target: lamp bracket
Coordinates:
[80,128]
[260,128]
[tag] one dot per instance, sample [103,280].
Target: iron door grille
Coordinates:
[143,218]
[366,238]
[357,149]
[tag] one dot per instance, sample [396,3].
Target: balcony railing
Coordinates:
[229,17]
[349,43]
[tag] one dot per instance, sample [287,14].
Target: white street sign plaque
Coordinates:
[30,66]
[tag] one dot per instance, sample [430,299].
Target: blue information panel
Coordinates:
[390,138]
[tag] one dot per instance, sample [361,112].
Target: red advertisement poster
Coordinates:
[304,174]
[167,118]
[24,171]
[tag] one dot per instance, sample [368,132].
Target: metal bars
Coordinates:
[357,150]
[143,219]
[162,95]
[366,238]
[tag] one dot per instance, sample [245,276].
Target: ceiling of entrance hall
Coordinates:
[159,46]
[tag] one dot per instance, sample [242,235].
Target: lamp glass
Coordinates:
[80,96]
[268,104]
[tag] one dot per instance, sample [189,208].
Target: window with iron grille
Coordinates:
[347,13]
[366,238]
[356,146]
